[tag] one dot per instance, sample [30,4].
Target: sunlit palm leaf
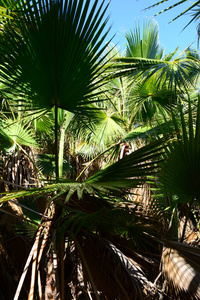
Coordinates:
[149,101]
[171,74]
[147,45]
[13,133]
[20,134]
[6,12]
[152,130]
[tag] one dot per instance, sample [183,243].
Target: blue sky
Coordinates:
[125,13]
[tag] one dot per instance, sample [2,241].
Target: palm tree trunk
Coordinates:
[186,218]
[62,145]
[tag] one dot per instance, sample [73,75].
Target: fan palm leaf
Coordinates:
[179,172]
[56,57]
[132,168]
[146,46]
[176,74]
[131,171]
[106,128]
[14,133]
[149,101]
[151,130]
[46,163]
[6,13]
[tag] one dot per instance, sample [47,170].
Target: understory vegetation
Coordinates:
[99,158]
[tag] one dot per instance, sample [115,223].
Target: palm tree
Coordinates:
[68,55]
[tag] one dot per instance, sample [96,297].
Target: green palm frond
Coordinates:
[56,58]
[179,172]
[64,189]
[193,9]
[44,123]
[172,6]
[146,46]
[169,56]
[107,128]
[172,74]
[46,163]
[109,219]
[6,141]
[20,134]
[8,4]
[6,13]
[152,130]
[26,229]
[96,132]
[132,169]
[13,133]
[147,100]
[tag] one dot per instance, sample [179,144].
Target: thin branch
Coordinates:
[27,208]
[34,264]
[20,284]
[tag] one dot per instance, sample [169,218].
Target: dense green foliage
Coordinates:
[100,158]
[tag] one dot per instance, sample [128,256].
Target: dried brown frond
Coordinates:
[117,276]
[181,267]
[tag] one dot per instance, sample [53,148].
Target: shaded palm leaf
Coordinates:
[44,123]
[106,128]
[179,172]
[6,141]
[101,215]
[132,169]
[46,163]
[128,172]
[57,56]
